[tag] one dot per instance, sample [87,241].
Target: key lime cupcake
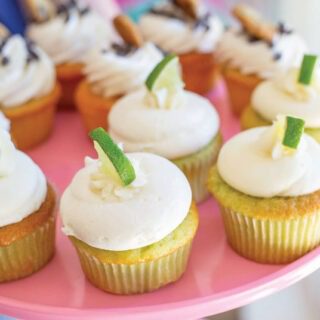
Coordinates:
[27,219]
[256,52]
[267,183]
[190,30]
[296,92]
[164,119]
[29,91]
[113,71]
[67,32]
[131,228]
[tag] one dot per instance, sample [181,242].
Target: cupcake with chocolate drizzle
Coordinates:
[188,29]
[67,32]
[257,51]
[113,71]
[28,90]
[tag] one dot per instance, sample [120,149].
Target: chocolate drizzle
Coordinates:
[121,49]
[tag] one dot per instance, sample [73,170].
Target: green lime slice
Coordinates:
[306,70]
[293,133]
[118,162]
[166,74]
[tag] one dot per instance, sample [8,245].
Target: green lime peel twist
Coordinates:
[293,133]
[117,157]
[307,69]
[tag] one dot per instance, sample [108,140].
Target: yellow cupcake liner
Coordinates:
[274,241]
[134,278]
[29,254]
[197,166]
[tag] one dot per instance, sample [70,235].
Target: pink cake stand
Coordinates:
[217,279]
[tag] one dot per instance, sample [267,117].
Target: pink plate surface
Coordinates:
[217,279]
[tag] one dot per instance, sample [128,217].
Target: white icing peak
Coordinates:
[181,34]
[28,73]
[131,217]
[23,186]
[257,57]
[68,37]
[112,74]
[251,163]
[285,95]
[4,122]
[170,132]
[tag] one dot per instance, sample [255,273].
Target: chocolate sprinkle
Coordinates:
[203,22]
[277,56]
[123,49]
[166,13]
[283,29]
[5,61]
[32,55]
[84,11]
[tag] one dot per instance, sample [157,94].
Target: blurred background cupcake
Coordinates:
[29,91]
[131,219]
[165,119]
[295,92]
[256,51]
[27,217]
[111,71]
[67,32]
[190,30]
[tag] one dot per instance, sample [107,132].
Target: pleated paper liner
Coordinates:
[140,270]
[274,241]
[196,167]
[29,254]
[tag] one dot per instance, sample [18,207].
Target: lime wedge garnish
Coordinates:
[293,133]
[118,162]
[306,70]
[166,75]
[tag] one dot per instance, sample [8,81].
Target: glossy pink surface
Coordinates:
[217,279]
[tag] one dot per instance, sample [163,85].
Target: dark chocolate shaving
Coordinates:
[5,61]
[203,22]
[122,49]
[283,29]
[277,56]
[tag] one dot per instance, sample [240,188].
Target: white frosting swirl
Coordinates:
[181,35]
[28,74]
[246,163]
[124,223]
[67,40]
[171,133]
[4,122]
[111,74]
[23,186]
[258,57]
[285,95]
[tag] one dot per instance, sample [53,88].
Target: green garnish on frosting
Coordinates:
[113,160]
[165,75]
[307,69]
[293,132]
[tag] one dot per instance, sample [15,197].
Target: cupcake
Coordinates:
[267,183]
[4,122]
[113,71]
[191,31]
[27,220]
[131,228]
[67,32]
[256,52]
[287,94]
[28,90]
[164,119]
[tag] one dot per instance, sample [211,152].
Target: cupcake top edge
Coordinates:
[101,211]
[259,47]
[175,30]
[257,162]
[286,94]
[26,72]
[23,186]
[71,32]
